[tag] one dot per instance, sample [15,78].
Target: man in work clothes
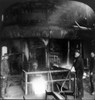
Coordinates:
[4,73]
[79,68]
[92,71]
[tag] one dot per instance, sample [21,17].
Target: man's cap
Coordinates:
[78,51]
[92,52]
[6,54]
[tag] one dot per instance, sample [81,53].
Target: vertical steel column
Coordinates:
[70,81]
[26,87]
[68,61]
[0,73]
[68,53]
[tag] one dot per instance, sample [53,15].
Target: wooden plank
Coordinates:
[58,96]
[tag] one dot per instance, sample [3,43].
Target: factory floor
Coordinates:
[14,87]
[16,91]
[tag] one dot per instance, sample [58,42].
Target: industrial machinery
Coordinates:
[55,84]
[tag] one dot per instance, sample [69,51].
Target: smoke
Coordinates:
[26,50]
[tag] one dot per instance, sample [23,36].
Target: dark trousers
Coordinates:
[4,86]
[91,84]
[79,76]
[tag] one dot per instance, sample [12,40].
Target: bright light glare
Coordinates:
[85,75]
[67,66]
[39,86]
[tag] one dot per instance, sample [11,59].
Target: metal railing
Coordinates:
[50,80]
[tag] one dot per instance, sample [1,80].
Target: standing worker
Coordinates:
[79,67]
[4,73]
[92,71]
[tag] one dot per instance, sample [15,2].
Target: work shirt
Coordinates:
[79,65]
[4,68]
[92,64]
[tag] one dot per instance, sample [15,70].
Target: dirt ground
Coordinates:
[15,89]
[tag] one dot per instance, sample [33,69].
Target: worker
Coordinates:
[79,69]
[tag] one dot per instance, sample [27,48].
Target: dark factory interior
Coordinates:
[39,39]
